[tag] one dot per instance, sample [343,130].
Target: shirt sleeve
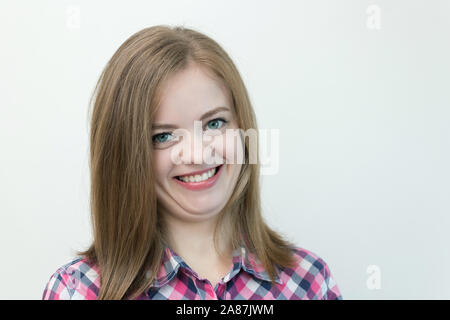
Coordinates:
[60,286]
[330,288]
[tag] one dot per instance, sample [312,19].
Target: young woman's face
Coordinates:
[188,187]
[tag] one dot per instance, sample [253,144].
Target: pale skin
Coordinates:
[190,216]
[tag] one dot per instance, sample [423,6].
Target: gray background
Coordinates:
[363,115]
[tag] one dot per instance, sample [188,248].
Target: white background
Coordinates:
[363,116]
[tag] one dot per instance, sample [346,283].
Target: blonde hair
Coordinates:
[127,229]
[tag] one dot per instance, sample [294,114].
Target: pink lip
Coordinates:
[202,184]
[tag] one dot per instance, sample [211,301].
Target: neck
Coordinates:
[195,240]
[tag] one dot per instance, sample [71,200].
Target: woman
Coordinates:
[168,223]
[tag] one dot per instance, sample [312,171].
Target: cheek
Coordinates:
[233,147]
[162,164]
[229,146]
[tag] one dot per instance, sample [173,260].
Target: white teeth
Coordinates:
[199,178]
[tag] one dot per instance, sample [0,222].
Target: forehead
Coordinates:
[190,93]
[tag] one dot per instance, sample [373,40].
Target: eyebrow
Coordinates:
[203,117]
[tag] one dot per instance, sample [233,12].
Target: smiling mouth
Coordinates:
[199,177]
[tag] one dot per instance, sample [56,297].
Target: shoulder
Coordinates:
[78,279]
[308,261]
[313,275]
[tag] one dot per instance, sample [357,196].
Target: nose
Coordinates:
[197,148]
[193,148]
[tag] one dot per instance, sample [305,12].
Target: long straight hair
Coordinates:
[128,233]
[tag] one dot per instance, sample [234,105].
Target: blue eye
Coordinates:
[161,137]
[216,123]
[164,137]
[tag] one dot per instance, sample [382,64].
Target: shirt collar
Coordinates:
[172,262]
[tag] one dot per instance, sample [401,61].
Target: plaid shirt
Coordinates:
[247,280]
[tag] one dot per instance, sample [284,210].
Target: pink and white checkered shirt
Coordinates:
[247,280]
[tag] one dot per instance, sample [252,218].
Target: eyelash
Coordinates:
[216,119]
